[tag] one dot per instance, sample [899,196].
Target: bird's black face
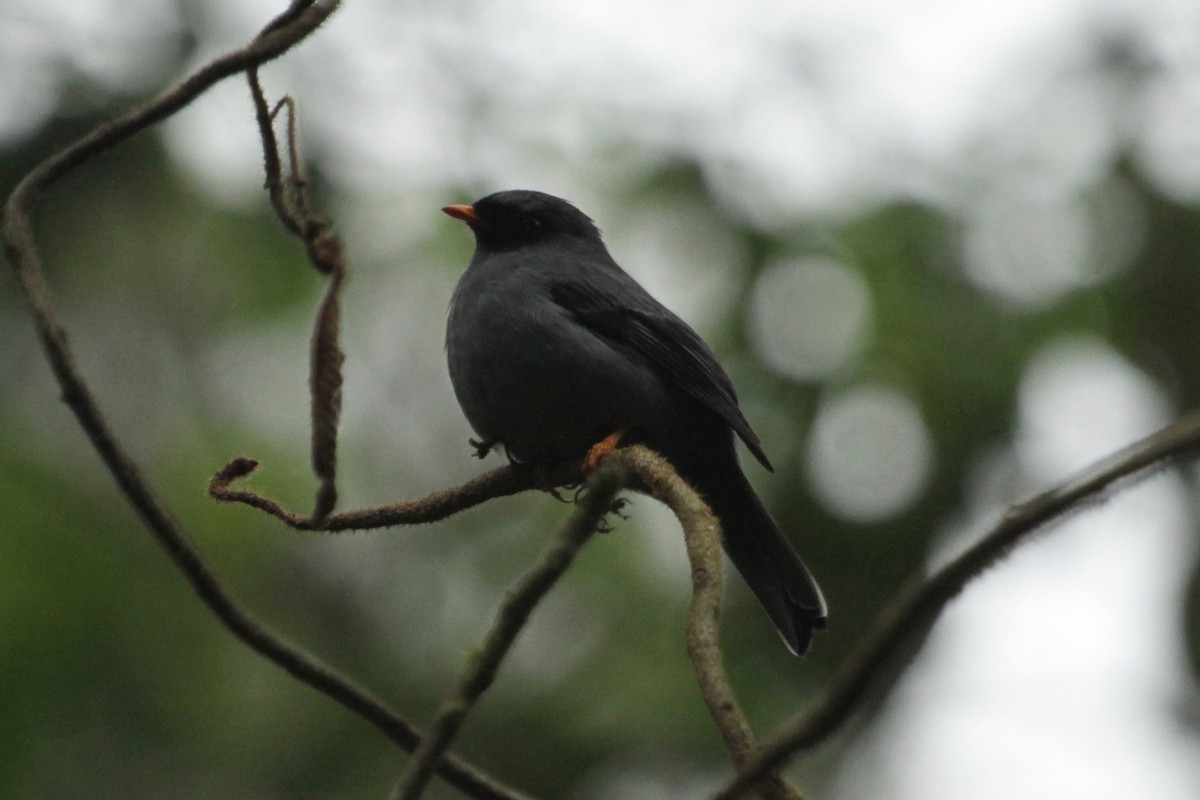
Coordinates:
[521,217]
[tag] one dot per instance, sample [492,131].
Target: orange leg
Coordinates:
[602,448]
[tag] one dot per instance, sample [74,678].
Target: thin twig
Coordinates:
[920,600]
[702,535]
[500,482]
[298,178]
[272,164]
[263,49]
[326,254]
[520,600]
[301,19]
[325,389]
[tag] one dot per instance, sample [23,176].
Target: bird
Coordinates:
[556,354]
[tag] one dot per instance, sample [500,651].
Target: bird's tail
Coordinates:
[767,561]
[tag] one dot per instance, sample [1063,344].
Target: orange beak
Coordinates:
[465,213]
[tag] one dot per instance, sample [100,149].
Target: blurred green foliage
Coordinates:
[118,683]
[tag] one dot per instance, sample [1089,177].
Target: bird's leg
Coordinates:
[602,448]
[543,481]
[482,447]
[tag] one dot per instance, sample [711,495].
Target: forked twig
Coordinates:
[324,250]
[293,26]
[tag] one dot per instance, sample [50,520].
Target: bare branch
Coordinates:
[292,27]
[324,250]
[595,502]
[325,389]
[702,534]
[501,482]
[920,600]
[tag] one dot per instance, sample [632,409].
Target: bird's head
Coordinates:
[520,217]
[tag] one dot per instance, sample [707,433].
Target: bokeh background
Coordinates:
[948,250]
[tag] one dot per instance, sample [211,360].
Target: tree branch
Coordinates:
[300,20]
[595,503]
[921,600]
[702,535]
[324,250]
[500,482]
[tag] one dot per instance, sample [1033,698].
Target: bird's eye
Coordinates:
[533,225]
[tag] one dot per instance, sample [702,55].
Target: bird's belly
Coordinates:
[545,387]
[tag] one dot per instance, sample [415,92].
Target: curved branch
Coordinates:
[501,482]
[702,535]
[324,250]
[920,600]
[301,19]
[519,601]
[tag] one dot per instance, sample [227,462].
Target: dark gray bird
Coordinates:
[553,348]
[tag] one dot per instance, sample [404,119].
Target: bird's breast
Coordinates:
[528,375]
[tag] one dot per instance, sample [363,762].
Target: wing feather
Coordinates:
[614,306]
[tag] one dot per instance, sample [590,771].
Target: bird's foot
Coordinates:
[618,510]
[543,481]
[600,449]
[482,448]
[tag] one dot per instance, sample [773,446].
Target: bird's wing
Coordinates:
[614,306]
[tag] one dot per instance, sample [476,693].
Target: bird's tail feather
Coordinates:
[768,562]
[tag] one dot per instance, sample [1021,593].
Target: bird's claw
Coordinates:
[617,509]
[543,481]
[482,448]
